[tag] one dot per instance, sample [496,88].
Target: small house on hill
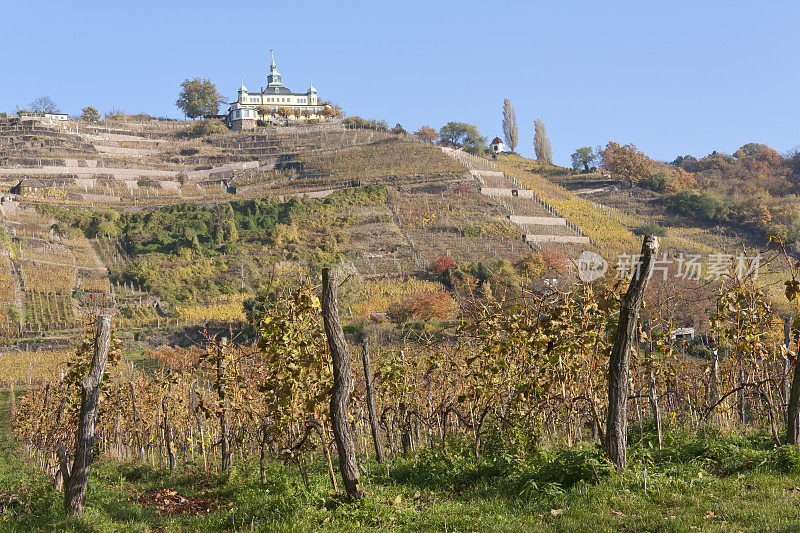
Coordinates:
[497,145]
[38,187]
[681,334]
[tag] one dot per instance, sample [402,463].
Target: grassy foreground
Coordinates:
[703,482]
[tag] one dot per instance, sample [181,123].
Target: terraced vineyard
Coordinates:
[454,220]
[49,310]
[391,161]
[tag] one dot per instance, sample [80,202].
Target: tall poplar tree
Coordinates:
[541,144]
[510,131]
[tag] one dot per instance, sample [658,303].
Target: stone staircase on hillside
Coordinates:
[537,220]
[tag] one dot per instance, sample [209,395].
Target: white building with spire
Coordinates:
[275,97]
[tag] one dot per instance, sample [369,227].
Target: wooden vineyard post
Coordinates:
[12,399]
[137,433]
[373,415]
[168,432]
[652,393]
[78,478]
[342,383]
[785,380]
[793,407]
[616,435]
[58,479]
[224,406]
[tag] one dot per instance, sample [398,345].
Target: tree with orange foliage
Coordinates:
[423,307]
[433,305]
[626,161]
[443,263]
[761,162]
[427,134]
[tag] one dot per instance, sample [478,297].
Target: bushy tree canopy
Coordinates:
[427,134]
[199,97]
[90,114]
[582,158]
[464,135]
[627,162]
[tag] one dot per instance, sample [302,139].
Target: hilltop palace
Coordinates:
[243,114]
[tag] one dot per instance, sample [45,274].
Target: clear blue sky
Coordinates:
[678,77]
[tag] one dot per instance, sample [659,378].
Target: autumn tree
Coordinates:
[90,114]
[582,158]
[626,162]
[427,134]
[199,97]
[263,111]
[510,131]
[541,144]
[44,104]
[330,110]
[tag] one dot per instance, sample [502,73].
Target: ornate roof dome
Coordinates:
[274,77]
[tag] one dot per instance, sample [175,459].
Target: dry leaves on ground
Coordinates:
[170,501]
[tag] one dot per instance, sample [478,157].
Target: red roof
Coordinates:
[497,140]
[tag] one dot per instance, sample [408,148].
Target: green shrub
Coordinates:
[573,465]
[204,128]
[658,181]
[353,329]
[472,230]
[703,205]
[785,459]
[651,228]
[14,314]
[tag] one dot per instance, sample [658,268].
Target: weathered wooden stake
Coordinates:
[12,398]
[168,432]
[139,444]
[373,415]
[616,435]
[342,384]
[224,407]
[785,380]
[75,487]
[793,409]
[652,392]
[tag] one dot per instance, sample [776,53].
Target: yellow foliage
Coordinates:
[18,366]
[48,278]
[94,284]
[377,295]
[225,308]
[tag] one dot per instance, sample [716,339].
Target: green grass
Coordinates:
[701,480]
